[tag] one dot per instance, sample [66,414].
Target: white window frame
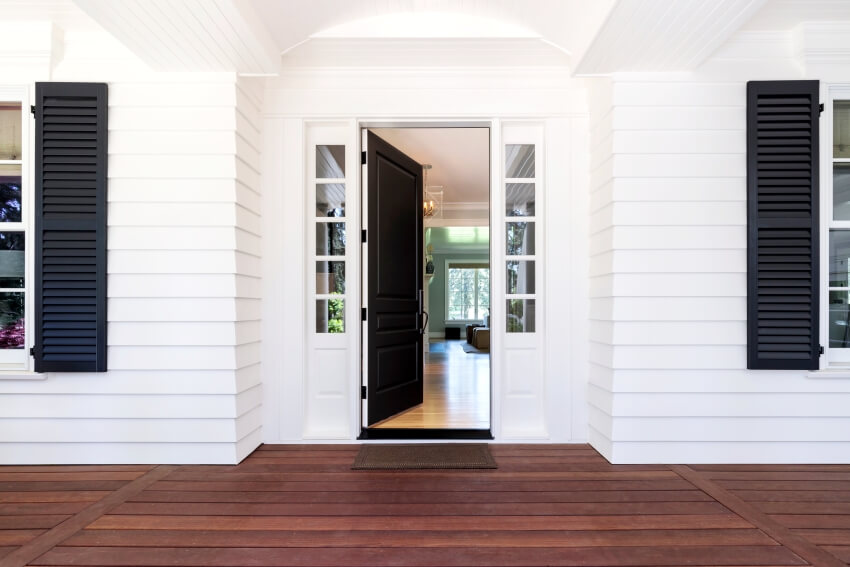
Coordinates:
[476,262]
[18,360]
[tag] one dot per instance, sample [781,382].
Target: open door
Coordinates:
[394,284]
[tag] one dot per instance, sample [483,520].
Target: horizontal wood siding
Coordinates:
[668,265]
[183,282]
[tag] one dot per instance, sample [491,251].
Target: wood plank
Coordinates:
[53,496]
[26,553]
[422,509]
[424,557]
[822,508]
[792,495]
[425,485]
[31,508]
[30,477]
[825,536]
[430,523]
[414,476]
[18,537]
[840,551]
[39,521]
[423,497]
[61,486]
[473,538]
[795,521]
[795,485]
[775,468]
[38,469]
[778,531]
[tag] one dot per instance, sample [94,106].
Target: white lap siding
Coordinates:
[183,281]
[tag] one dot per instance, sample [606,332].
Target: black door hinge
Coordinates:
[363,313]
[820,350]
[820,109]
[32,351]
[363,235]
[32,109]
[362,392]
[362,158]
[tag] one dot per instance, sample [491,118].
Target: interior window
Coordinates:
[468,296]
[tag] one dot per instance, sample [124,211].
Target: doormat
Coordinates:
[469,349]
[442,456]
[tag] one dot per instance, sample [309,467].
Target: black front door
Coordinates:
[394,290]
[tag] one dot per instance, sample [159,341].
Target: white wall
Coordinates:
[183,271]
[668,272]
[396,81]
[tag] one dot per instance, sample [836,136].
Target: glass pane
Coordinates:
[461,293]
[520,276]
[839,320]
[519,160]
[330,239]
[330,199]
[520,315]
[483,299]
[519,199]
[520,238]
[11,320]
[10,193]
[330,277]
[839,254]
[841,192]
[11,259]
[841,129]
[10,130]
[330,162]
[330,316]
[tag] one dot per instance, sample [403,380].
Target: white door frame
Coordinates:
[362,126]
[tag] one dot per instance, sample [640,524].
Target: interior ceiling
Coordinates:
[568,24]
[785,14]
[459,158]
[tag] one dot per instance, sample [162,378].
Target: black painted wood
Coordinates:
[70,227]
[783,232]
[395,222]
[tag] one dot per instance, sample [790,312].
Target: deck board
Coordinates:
[545,505]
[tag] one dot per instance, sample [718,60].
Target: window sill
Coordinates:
[21,375]
[830,374]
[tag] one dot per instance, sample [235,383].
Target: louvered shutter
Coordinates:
[70,227]
[782,210]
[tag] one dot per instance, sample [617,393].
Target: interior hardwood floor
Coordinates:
[545,505]
[456,391]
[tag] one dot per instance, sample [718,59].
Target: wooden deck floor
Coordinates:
[545,505]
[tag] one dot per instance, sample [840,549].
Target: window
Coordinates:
[467,290]
[14,224]
[329,217]
[838,262]
[520,221]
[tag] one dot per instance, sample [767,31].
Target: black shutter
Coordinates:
[70,227]
[783,233]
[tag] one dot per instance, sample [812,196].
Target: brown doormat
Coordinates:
[442,456]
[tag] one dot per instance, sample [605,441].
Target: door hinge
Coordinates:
[32,351]
[820,350]
[362,158]
[363,313]
[820,109]
[363,235]
[32,109]
[362,392]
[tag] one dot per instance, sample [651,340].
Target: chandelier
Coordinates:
[432,195]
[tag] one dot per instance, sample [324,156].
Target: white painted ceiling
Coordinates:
[459,158]
[569,24]
[782,15]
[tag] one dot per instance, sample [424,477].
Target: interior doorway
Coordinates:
[426,291]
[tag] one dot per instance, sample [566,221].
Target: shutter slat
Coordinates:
[782,211]
[70,211]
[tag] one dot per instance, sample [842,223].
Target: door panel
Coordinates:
[394,290]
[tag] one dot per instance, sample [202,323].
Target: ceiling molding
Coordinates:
[660,35]
[171,35]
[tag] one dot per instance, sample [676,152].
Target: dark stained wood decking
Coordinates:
[545,505]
